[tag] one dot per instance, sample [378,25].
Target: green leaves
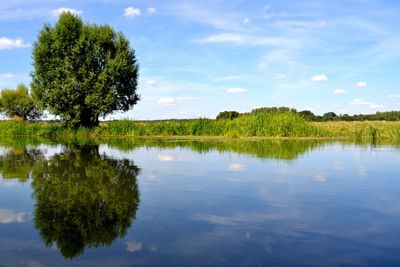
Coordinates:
[18,103]
[83,71]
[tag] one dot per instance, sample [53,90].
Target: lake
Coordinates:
[120,202]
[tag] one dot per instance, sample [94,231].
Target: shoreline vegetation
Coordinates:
[281,124]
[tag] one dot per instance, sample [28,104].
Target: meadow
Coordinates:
[253,125]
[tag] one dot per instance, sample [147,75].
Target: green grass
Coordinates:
[264,125]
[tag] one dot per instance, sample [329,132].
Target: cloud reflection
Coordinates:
[133,246]
[236,167]
[10,216]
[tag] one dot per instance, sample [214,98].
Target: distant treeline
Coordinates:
[310,116]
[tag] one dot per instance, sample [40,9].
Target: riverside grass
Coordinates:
[263,125]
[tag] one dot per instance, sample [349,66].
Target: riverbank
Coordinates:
[256,126]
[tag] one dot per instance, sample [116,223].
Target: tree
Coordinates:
[17,103]
[83,71]
[231,115]
[308,115]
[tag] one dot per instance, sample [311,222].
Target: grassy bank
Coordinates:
[270,125]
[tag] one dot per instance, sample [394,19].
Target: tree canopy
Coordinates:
[18,103]
[83,71]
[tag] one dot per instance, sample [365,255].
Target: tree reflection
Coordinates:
[83,199]
[17,163]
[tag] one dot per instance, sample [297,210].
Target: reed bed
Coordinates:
[265,125]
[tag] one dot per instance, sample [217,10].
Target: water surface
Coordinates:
[187,203]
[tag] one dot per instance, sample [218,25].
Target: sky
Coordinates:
[198,58]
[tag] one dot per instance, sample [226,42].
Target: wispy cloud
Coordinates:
[228,78]
[166,101]
[132,12]
[241,39]
[10,43]
[170,101]
[58,11]
[359,101]
[8,76]
[319,78]
[236,90]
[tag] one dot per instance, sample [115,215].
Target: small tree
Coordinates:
[18,104]
[231,115]
[83,71]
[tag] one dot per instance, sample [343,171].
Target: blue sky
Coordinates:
[198,58]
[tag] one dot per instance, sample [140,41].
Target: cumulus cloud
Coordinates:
[339,91]
[58,11]
[131,12]
[151,10]
[236,90]
[8,76]
[362,84]
[319,78]
[10,43]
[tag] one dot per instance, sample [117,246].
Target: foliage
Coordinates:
[84,199]
[227,115]
[83,71]
[17,103]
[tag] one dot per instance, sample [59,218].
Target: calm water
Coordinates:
[181,203]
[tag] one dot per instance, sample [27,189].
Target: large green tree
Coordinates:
[18,103]
[83,71]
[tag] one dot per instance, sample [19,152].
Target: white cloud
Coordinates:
[58,11]
[10,216]
[236,90]
[236,167]
[280,77]
[361,84]
[131,12]
[151,10]
[393,96]
[246,20]
[359,101]
[228,78]
[9,43]
[240,39]
[376,106]
[151,83]
[319,78]
[166,101]
[339,91]
[133,246]
[8,76]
